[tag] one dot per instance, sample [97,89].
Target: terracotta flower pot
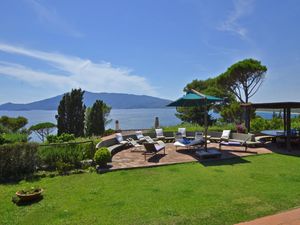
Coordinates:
[29,197]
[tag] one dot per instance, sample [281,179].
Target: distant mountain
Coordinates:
[115,100]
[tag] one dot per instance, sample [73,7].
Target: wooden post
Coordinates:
[288,130]
[247,118]
[284,121]
[205,122]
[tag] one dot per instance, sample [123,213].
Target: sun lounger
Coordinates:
[184,142]
[148,139]
[159,134]
[224,137]
[120,139]
[154,148]
[140,136]
[182,131]
[240,139]
[136,146]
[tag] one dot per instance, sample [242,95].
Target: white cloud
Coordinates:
[241,8]
[50,17]
[74,72]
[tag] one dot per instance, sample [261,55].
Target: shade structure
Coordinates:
[193,98]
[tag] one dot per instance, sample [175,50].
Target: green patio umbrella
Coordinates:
[194,98]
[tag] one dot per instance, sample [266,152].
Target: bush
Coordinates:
[258,124]
[71,153]
[108,132]
[3,129]
[61,138]
[240,128]
[52,138]
[66,137]
[102,156]
[15,137]
[195,127]
[17,160]
[63,168]
[2,140]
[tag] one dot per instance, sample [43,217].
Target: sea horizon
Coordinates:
[141,118]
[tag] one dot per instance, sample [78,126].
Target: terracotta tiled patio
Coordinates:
[291,217]
[131,159]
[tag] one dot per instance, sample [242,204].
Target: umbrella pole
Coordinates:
[205,125]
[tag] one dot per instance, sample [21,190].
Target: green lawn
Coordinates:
[224,192]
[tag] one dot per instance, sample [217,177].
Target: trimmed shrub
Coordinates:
[61,138]
[17,160]
[70,153]
[102,156]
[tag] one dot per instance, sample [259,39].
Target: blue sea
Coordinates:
[128,118]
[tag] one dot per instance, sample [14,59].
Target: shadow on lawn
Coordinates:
[223,162]
[13,181]
[19,202]
[227,158]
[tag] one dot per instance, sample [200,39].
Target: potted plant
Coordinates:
[29,194]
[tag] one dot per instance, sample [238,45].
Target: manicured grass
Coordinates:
[223,192]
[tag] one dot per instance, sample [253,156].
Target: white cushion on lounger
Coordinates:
[149,139]
[226,134]
[159,132]
[182,131]
[179,144]
[178,136]
[139,135]
[119,137]
[199,136]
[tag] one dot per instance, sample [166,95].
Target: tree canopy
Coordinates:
[243,79]
[42,130]
[239,83]
[196,114]
[13,124]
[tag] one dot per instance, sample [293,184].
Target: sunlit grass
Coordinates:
[223,192]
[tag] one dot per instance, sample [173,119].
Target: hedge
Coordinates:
[71,153]
[17,160]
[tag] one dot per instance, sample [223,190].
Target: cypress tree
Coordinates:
[96,119]
[70,118]
[61,116]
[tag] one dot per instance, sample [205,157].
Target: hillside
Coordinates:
[115,100]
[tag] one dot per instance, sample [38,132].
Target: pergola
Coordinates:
[285,106]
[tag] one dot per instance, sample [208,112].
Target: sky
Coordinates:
[151,47]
